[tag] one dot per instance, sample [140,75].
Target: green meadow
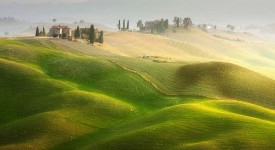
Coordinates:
[59,97]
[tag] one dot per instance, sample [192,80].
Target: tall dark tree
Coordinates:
[119,25]
[77,33]
[101,40]
[162,26]
[37,31]
[92,34]
[123,24]
[44,32]
[128,25]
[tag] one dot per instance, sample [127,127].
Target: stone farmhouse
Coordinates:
[58,31]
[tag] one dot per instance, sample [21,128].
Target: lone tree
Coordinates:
[44,32]
[37,31]
[101,40]
[123,24]
[77,33]
[92,34]
[187,23]
[140,25]
[119,25]
[127,25]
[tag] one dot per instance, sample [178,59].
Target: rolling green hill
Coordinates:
[217,80]
[207,125]
[59,98]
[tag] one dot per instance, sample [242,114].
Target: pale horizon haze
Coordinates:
[107,12]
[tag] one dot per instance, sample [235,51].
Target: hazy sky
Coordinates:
[239,12]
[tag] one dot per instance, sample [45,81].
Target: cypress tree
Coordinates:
[118,25]
[92,34]
[77,33]
[37,31]
[123,24]
[101,40]
[44,32]
[162,29]
[128,25]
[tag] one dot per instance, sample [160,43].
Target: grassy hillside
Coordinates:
[212,79]
[250,53]
[206,125]
[195,45]
[82,97]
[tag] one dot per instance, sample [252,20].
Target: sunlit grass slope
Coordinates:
[84,72]
[39,112]
[48,96]
[206,125]
[58,98]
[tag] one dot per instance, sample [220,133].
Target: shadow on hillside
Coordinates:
[225,80]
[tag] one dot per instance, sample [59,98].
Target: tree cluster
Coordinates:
[140,25]
[160,26]
[157,26]
[40,33]
[90,34]
[8,20]
[187,23]
[124,26]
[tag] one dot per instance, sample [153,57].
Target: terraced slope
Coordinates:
[53,98]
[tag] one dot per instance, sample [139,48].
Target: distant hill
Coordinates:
[26,29]
[193,45]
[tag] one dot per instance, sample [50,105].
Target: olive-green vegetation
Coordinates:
[54,98]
